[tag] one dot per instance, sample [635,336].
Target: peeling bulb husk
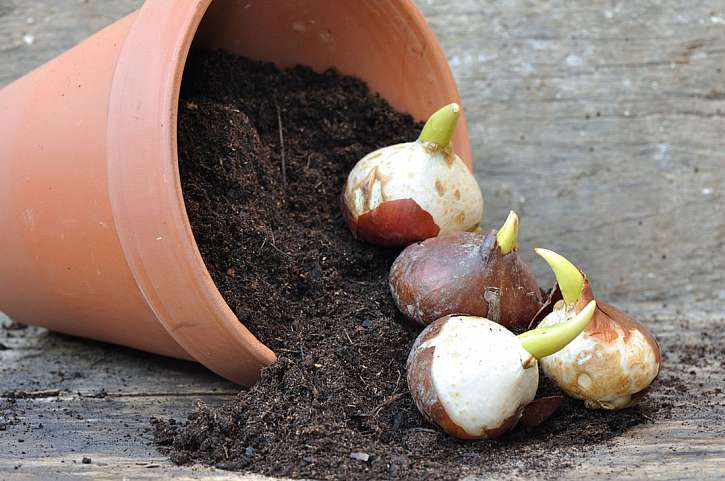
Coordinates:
[464,273]
[409,192]
[545,341]
[568,276]
[508,235]
[439,128]
[611,364]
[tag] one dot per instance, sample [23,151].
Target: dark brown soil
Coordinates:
[265,216]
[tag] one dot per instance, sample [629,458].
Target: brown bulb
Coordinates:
[464,273]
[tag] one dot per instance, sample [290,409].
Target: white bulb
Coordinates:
[437,181]
[478,373]
[605,365]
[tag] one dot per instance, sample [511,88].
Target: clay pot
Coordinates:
[95,238]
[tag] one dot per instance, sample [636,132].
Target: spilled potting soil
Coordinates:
[263,156]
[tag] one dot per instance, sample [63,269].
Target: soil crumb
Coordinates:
[263,157]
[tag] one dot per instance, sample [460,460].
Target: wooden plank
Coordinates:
[112,433]
[34,31]
[89,399]
[600,122]
[38,361]
[686,440]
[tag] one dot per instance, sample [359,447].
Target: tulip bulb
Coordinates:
[612,363]
[409,192]
[467,273]
[474,378]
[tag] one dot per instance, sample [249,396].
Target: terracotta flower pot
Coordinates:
[95,238]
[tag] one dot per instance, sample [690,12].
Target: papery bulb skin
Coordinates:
[409,192]
[611,364]
[403,194]
[464,273]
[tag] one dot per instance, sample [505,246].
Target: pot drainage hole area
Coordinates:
[263,156]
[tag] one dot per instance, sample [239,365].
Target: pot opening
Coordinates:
[263,155]
[321,34]
[171,274]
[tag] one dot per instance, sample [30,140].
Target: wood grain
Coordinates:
[34,31]
[602,123]
[64,417]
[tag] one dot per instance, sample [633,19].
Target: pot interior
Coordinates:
[386,43]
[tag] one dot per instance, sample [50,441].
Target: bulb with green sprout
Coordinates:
[467,273]
[614,361]
[474,378]
[409,192]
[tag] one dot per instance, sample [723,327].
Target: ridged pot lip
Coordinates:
[147,200]
[146,196]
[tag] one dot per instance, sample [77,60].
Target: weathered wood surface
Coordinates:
[601,122]
[66,418]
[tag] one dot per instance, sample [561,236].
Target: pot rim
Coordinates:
[147,200]
[146,195]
